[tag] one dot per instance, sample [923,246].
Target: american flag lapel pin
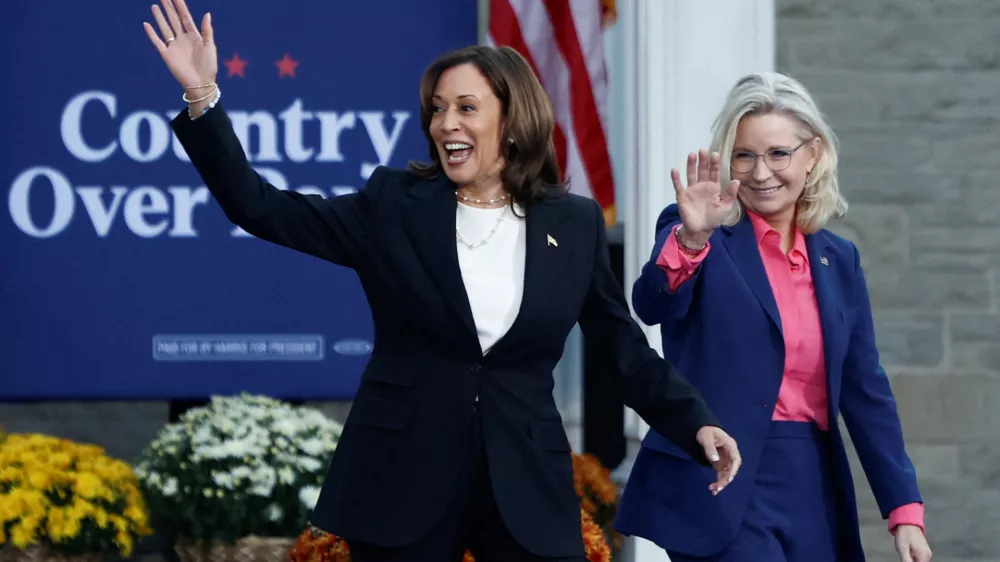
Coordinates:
[551,240]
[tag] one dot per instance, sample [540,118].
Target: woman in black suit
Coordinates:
[476,266]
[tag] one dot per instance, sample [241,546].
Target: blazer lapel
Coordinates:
[823,268]
[431,226]
[741,243]
[543,262]
[538,252]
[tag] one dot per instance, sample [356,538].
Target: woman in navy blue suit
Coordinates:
[768,315]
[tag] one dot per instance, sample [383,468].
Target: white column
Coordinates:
[681,58]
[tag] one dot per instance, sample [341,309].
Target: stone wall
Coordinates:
[912,88]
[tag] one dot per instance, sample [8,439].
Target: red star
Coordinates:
[236,66]
[286,66]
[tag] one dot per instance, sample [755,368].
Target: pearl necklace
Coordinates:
[467,199]
[473,246]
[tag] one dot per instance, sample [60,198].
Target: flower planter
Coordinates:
[43,554]
[60,496]
[247,549]
[242,466]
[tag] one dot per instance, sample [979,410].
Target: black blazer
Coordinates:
[398,460]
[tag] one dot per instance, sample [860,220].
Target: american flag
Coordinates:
[563,41]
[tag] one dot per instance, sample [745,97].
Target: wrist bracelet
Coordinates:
[211,104]
[685,247]
[202,98]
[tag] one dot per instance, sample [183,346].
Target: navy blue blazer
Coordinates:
[723,332]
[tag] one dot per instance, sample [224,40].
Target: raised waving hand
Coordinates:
[190,54]
[703,204]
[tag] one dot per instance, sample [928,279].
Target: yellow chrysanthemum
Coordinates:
[120,523]
[20,502]
[88,485]
[40,479]
[10,473]
[28,457]
[9,510]
[23,533]
[61,460]
[136,516]
[124,541]
[81,509]
[62,526]
[82,481]
[101,517]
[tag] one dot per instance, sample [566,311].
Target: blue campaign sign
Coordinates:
[119,275]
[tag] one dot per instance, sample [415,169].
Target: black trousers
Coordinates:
[472,522]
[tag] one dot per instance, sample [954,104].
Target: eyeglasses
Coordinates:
[744,161]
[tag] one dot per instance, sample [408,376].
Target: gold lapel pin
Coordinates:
[823,260]
[552,241]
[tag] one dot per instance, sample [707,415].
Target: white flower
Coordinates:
[224,480]
[235,449]
[242,447]
[154,479]
[287,427]
[309,495]
[314,418]
[169,487]
[310,464]
[262,481]
[286,475]
[274,512]
[227,427]
[312,447]
[203,436]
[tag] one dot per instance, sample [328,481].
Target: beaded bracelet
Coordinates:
[687,249]
[218,95]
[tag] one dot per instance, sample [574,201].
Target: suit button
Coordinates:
[476,368]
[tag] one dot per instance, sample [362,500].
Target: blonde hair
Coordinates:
[770,92]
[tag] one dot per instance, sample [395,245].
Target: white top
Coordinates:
[493,272]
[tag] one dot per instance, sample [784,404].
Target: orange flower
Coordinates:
[593,482]
[319,546]
[594,543]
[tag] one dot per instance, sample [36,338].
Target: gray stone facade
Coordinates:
[912,88]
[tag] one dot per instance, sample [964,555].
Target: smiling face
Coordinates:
[466,124]
[772,182]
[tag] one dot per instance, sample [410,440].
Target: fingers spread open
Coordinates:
[161,47]
[185,15]
[161,22]
[172,17]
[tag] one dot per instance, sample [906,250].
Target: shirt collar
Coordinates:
[761,229]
